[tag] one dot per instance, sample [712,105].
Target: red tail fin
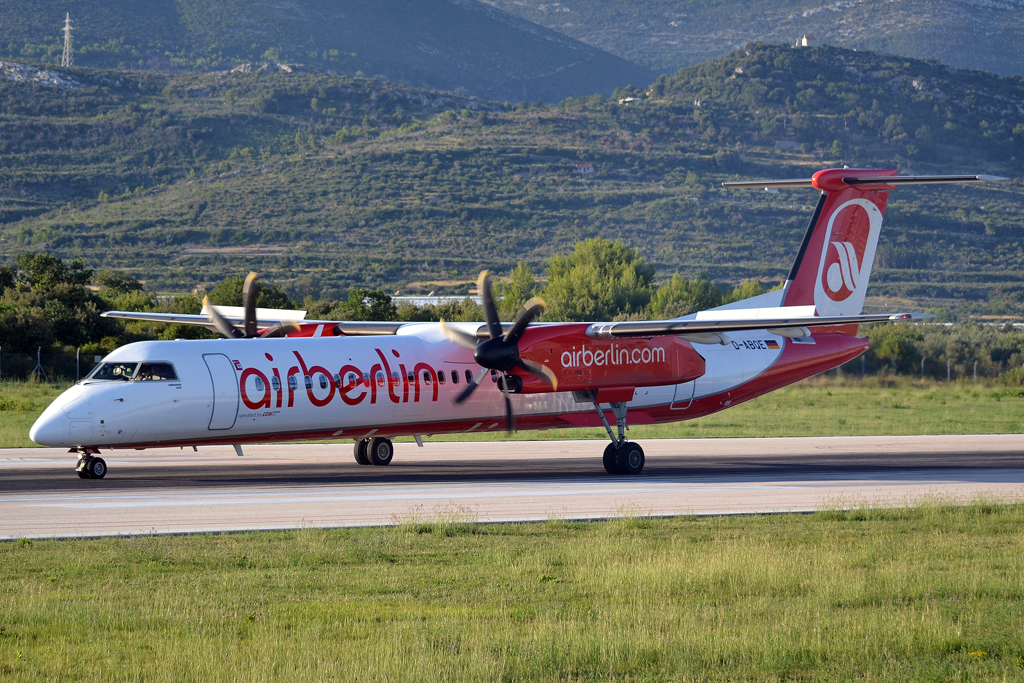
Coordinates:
[833,265]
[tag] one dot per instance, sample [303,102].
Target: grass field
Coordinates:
[824,406]
[929,593]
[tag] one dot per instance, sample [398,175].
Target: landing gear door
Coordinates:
[225,391]
[683,396]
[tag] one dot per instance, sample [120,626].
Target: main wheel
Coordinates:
[609,459]
[80,469]
[630,459]
[380,451]
[97,468]
[360,452]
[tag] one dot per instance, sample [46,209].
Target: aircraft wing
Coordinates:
[266,318]
[711,331]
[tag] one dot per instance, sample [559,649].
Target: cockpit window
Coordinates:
[117,372]
[156,372]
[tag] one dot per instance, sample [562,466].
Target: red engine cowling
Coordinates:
[581,363]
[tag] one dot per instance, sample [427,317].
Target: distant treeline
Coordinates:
[48,303]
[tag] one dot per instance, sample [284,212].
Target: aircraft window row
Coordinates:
[140,372]
[351,378]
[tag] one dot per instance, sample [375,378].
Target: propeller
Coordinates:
[500,351]
[249,329]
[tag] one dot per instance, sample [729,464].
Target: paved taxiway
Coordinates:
[320,485]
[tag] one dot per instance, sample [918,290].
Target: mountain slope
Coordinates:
[323,182]
[668,34]
[438,44]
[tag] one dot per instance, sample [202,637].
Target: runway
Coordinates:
[320,485]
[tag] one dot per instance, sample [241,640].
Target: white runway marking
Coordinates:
[292,486]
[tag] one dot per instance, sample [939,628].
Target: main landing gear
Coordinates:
[90,467]
[620,456]
[376,451]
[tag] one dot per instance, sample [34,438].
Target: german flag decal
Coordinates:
[772,344]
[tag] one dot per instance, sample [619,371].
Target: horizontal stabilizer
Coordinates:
[853,180]
[655,328]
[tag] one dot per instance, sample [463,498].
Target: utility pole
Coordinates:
[69,58]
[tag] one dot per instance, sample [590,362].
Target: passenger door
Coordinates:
[225,391]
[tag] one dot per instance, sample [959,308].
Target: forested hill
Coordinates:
[668,34]
[438,44]
[323,182]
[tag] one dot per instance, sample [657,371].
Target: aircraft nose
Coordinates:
[48,430]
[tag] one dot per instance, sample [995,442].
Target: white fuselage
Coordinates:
[235,391]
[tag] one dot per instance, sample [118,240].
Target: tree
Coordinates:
[747,289]
[118,282]
[43,271]
[679,297]
[229,293]
[365,304]
[514,292]
[48,304]
[600,280]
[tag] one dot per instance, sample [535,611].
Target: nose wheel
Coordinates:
[620,456]
[91,467]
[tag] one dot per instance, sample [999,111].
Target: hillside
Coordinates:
[438,44]
[668,34]
[323,182]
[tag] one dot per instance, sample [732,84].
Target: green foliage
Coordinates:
[679,297]
[117,282]
[513,293]
[364,304]
[600,280]
[229,293]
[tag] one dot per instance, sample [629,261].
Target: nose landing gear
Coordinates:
[89,466]
[620,456]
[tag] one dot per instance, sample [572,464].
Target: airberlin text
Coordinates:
[613,355]
[277,389]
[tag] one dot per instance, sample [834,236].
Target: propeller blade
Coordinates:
[531,309]
[468,391]
[458,336]
[249,302]
[539,371]
[510,420]
[280,329]
[222,325]
[483,286]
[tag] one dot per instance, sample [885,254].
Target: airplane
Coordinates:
[278,377]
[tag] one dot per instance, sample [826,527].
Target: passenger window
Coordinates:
[366,378]
[337,380]
[469,377]
[455,376]
[292,383]
[323,382]
[308,381]
[157,372]
[411,377]
[259,385]
[426,377]
[275,384]
[440,377]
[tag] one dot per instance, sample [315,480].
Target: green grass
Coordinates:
[830,406]
[823,406]
[20,404]
[928,593]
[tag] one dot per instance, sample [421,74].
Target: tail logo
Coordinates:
[850,241]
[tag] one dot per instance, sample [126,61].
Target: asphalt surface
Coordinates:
[320,485]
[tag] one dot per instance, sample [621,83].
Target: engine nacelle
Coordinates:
[581,363]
